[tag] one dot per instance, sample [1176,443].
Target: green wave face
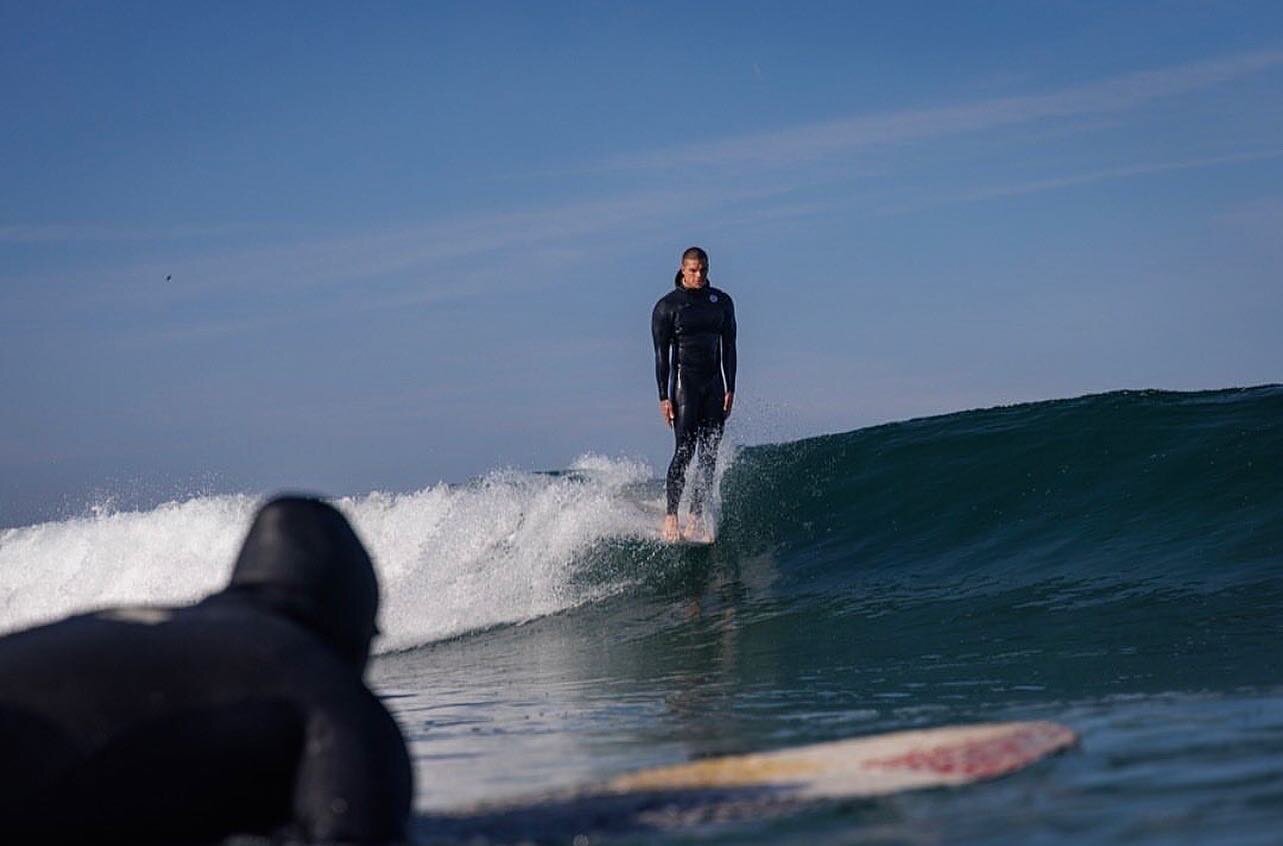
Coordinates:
[1119,544]
[1177,488]
[1122,543]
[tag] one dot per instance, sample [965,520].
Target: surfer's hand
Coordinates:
[666,411]
[727,403]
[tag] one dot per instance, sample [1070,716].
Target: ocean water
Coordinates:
[1113,562]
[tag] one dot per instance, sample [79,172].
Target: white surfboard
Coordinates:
[654,507]
[754,786]
[690,543]
[868,766]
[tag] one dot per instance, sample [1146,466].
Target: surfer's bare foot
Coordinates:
[669,531]
[697,530]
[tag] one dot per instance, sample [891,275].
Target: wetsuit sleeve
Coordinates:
[728,346]
[661,331]
[355,784]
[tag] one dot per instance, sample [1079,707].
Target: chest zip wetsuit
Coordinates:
[694,334]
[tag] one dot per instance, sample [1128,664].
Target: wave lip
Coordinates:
[507,548]
[452,559]
[173,554]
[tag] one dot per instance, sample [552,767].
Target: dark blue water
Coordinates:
[1113,562]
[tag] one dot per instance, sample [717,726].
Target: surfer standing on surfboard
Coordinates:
[693,327]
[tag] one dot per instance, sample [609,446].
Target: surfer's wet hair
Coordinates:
[693,253]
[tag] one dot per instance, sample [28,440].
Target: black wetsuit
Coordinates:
[245,713]
[694,334]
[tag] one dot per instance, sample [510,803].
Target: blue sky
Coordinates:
[344,247]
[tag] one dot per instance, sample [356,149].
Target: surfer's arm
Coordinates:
[661,331]
[354,784]
[728,347]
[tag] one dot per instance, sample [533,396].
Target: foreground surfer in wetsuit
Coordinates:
[693,328]
[243,714]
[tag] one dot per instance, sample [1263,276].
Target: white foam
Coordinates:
[172,554]
[451,558]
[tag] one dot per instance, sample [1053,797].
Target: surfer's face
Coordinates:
[692,272]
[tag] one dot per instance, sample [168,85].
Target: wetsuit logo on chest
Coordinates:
[712,298]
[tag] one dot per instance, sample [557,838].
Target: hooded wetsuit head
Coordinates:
[243,714]
[301,559]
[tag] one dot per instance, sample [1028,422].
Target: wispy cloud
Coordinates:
[70,232]
[1264,215]
[420,289]
[397,267]
[416,264]
[828,138]
[421,247]
[1071,180]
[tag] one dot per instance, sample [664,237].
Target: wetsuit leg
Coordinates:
[710,439]
[684,427]
[698,424]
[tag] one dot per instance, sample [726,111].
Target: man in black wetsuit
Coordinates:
[243,714]
[693,328]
